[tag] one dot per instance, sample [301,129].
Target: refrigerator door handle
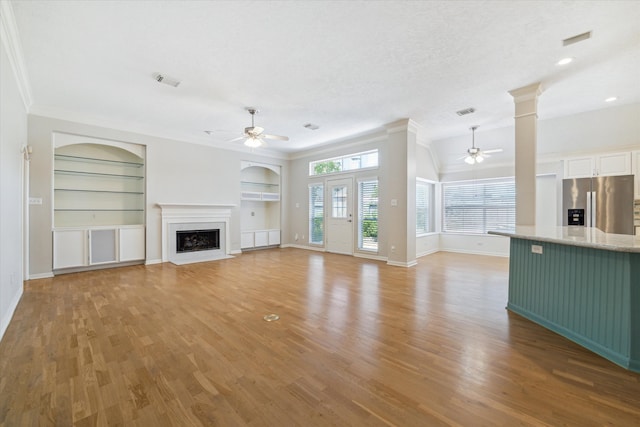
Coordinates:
[594,209]
[588,213]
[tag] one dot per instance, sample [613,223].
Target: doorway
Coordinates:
[340,216]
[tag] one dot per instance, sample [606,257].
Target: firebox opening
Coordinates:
[197,240]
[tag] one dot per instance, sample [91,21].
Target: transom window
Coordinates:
[349,162]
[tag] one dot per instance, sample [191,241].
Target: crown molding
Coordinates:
[145,131]
[11,41]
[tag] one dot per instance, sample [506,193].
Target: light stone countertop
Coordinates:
[576,236]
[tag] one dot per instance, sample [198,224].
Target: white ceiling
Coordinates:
[347,66]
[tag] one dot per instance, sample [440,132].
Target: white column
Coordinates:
[526,125]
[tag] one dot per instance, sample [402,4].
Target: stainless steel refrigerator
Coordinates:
[604,202]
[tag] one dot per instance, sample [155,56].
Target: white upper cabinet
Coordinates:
[602,165]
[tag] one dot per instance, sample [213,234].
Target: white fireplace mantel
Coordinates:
[176,213]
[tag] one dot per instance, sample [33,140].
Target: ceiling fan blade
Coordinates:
[495,150]
[279,137]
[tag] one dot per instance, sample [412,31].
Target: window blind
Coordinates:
[316,214]
[368,215]
[479,206]
[424,207]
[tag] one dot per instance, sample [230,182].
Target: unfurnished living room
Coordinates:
[319,213]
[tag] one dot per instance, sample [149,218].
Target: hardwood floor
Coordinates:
[358,343]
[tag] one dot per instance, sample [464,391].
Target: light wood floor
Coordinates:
[358,343]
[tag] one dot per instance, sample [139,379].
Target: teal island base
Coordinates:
[588,295]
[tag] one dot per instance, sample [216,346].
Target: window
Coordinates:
[339,202]
[477,207]
[368,215]
[424,207]
[316,214]
[368,159]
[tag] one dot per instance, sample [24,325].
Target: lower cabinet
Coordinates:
[85,247]
[259,238]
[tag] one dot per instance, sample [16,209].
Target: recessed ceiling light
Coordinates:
[564,61]
[611,99]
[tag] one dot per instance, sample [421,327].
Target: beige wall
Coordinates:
[176,172]
[13,136]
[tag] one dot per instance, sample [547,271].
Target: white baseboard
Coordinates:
[309,248]
[458,251]
[402,264]
[368,256]
[425,253]
[235,252]
[153,261]
[6,319]
[48,275]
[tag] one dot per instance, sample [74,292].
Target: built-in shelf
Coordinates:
[95,160]
[107,189]
[83,173]
[260,209]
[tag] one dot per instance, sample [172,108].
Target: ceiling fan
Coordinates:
[474,154]
[253,135]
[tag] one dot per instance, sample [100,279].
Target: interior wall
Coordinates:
[299,180]
[13,136]
[176,172]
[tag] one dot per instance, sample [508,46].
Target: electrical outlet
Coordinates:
[536,249]
[295,237]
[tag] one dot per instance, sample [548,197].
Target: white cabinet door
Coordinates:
[614,164]
[581,167]
[131,244]
[274,237]
[261,238]
[246,240]
[69,249]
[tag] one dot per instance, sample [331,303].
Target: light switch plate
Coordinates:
[35,200]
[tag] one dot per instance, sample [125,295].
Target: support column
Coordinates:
[526,126]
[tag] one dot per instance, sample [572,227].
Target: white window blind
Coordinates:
[316,214]
[368,215]
[424,207]
[479,206]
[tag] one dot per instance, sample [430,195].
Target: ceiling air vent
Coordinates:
[576,39]
[162,78]
[466,111]
[311,126]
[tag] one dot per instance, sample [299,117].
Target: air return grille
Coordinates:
[576,39]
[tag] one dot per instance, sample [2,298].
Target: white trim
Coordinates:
[403,264]
[62,139]
[498,254]
[339,144]
[429,252]
[6,320]
[11,40]
[368,256]
[153,261]
[309,248]
[38,276]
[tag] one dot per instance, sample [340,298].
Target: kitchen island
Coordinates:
[581,283]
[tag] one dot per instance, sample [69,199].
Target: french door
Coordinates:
[340,216]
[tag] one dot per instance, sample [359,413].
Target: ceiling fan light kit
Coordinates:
[253,135]
[474,155]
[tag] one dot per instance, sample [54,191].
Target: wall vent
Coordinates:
[576,39]
[466,111]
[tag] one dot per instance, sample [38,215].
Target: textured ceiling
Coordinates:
[347,66]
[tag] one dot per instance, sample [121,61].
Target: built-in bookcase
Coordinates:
[98,203]
[260,205]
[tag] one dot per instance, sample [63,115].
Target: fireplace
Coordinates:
[195,233]
[197,240]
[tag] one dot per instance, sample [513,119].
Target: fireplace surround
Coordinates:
[186,219]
